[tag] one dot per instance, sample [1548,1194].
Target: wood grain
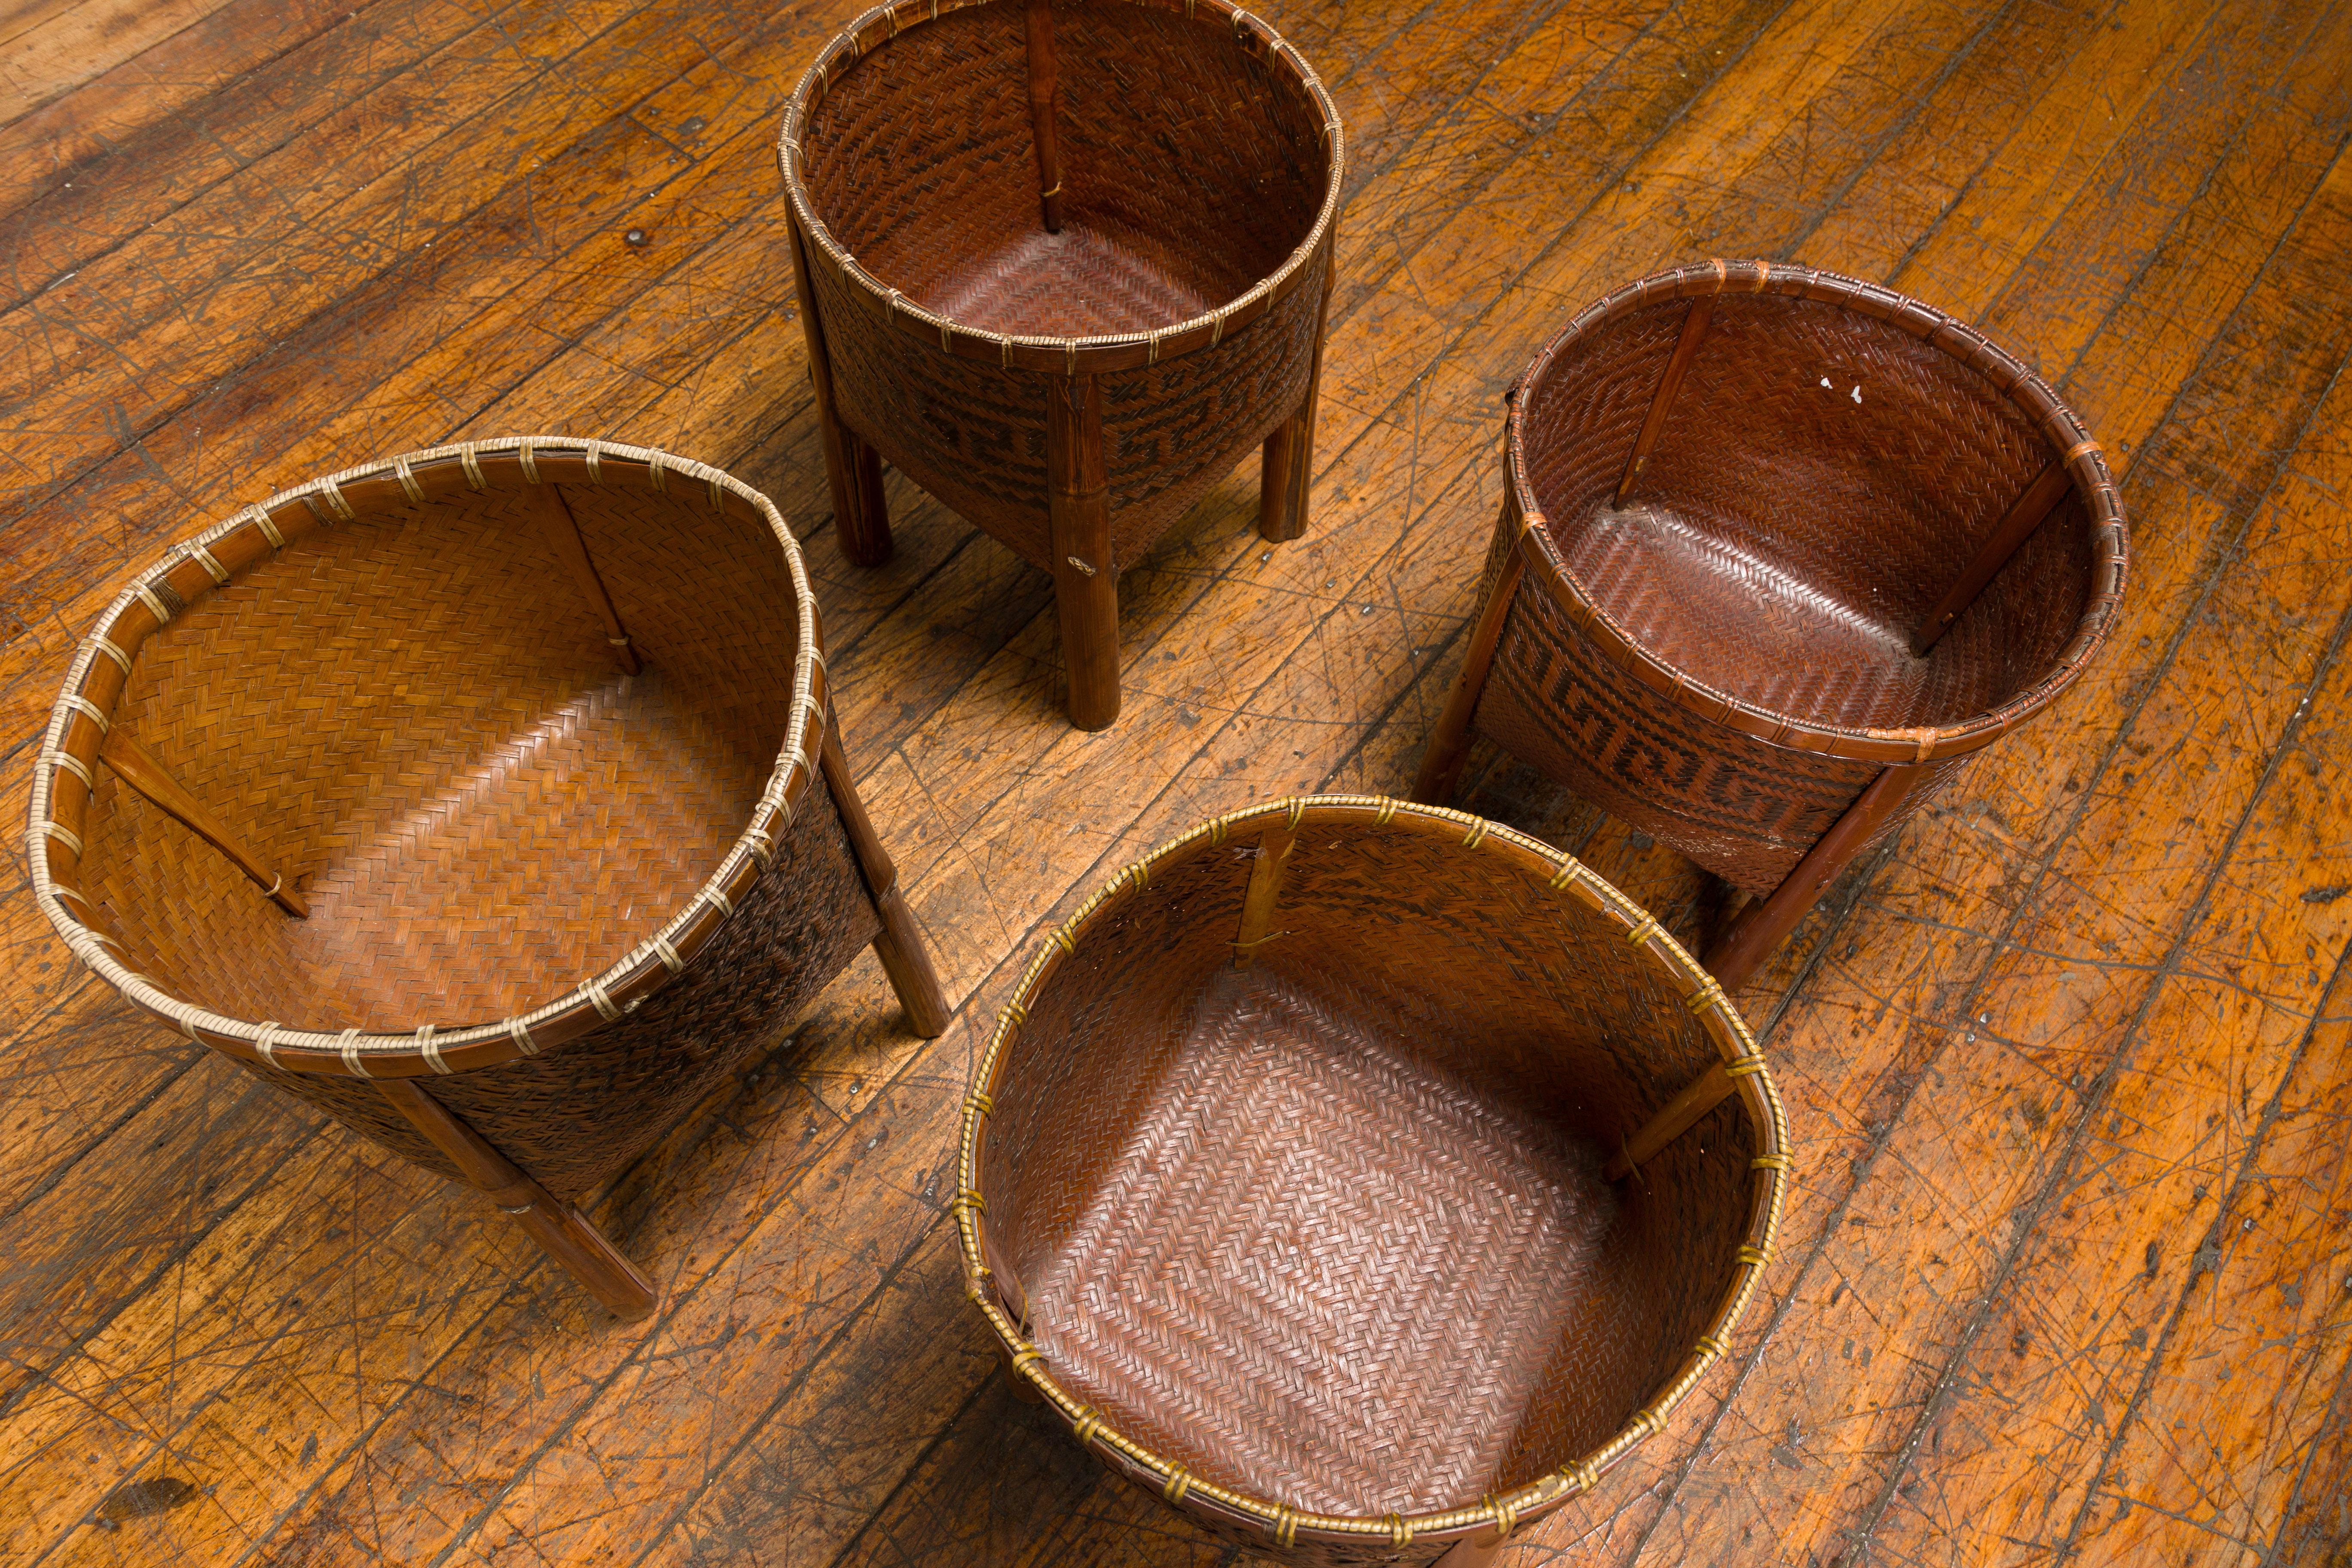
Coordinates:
[2093,999]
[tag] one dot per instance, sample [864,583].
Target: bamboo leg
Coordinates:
[861,515]
[1283,473]
[557,1226]
[1086,578]
[1045,96]
[1288,464]
[1449,744]
[901,945]
[1695,321]
[562,531]
[1478,1551]
[2016,526]
[1752,938]
[133,765]
[1762,927]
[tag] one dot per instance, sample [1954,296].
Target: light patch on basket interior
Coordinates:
[483,857]
[1086,281]
[1354,1273]
[417,718]
[1784,549]
[1806,652]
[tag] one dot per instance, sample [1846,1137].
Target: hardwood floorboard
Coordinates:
[282,239]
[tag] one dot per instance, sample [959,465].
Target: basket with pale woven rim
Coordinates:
[486,797]
[1322,1174]
[1064,265]
[1779,551]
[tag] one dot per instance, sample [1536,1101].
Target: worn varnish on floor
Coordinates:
[2069,1273]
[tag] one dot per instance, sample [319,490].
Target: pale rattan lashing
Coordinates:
[566,898]
[1182,276]
[1299,1216]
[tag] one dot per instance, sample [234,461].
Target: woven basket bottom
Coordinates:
[1082,282]
[1744,626]
[491,884]
[1322,1272]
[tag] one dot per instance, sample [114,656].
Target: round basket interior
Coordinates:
[415,718]
[1821,479]
[1330,1228]
[1190,169]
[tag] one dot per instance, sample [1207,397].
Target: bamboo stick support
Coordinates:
[1045,105]
[1086,578]
[2016,525]
[1761,926]
[1288,467]
[901,945]
[1022,1389]
[578,1246]
[562,531]
[861,513]
[1695,321]
[134,766]
[1479,1552]
[1264,892]
[1701,1095]
[1449,744]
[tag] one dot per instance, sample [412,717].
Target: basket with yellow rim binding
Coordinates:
[486,798]
[1331,1173]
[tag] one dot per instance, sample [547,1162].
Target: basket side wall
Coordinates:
[1093,1047]
[973,433]
[579,1114]
[1742,807]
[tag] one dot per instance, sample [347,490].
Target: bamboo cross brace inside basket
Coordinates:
[2042,497]
[81,736]
[1044,104]
[1523,547]
[1478,1534]
[132,763]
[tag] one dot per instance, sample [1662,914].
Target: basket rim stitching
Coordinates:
[324,1051]
[1759,1095]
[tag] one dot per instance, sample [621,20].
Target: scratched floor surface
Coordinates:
[2068,1275]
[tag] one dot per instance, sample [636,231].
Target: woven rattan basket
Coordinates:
[485,797]
[1323,1174]
[1064,265]
[1778,552]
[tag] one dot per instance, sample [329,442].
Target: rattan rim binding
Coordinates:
[644,969]
[1063,356]
[2069,439]
[1559,872]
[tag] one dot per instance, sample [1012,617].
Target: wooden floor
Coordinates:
[2068,1275]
